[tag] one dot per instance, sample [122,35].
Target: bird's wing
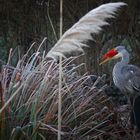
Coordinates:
[73,40]
[131,74]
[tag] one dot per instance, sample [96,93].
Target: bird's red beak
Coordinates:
[110,54]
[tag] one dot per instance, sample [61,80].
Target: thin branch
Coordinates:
[48,13]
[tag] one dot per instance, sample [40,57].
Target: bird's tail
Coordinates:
[73,40]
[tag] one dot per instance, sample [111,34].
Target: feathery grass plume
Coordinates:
[73,41]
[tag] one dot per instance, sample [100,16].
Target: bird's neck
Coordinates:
[124,61]
[117,70]
[124,58]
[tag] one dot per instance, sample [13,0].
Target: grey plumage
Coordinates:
[127,78]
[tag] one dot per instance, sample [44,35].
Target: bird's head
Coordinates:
[113,54]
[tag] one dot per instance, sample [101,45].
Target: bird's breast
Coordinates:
[118,78]
[118,83]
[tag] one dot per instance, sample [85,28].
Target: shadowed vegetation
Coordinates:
[25,22]
[29,81]
[29,98]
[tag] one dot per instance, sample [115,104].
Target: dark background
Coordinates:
[23,22]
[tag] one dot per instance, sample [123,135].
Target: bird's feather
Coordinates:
[73,40]
[131,74]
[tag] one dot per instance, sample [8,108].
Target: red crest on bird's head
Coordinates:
[110,54]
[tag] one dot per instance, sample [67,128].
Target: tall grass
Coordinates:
[29,102]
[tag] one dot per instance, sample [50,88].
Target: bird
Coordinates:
[126,78]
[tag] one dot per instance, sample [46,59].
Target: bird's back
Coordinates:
[131,75]
[127,77]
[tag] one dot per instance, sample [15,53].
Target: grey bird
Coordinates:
[127,78]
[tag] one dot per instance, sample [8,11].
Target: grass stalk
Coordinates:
[10,99]
[60,99]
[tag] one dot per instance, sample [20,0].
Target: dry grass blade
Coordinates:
[30,103]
